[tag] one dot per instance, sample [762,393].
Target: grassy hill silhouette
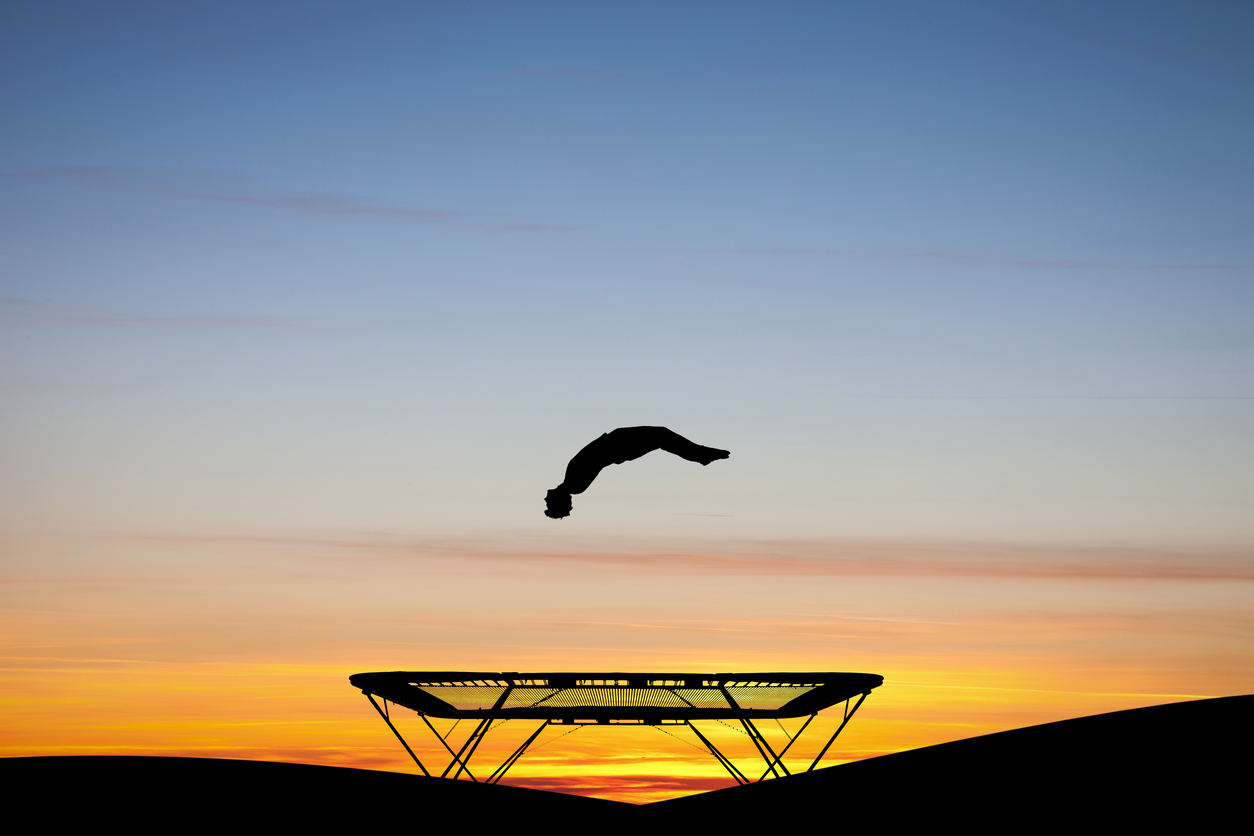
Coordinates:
[1146,767]
[1177,764]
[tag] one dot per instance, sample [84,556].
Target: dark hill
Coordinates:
[1180,764]
[1169,765]
[150,793]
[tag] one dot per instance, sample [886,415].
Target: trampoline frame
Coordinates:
[823,690]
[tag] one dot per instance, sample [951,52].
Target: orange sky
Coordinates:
[231,647]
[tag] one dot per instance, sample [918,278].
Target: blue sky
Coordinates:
[971,270]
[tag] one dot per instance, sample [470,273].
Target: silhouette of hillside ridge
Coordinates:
[1182,763]
[1145,767]
[152,792]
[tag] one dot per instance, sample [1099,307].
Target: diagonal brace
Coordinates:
[457,758]
[723,759]
[495,777]
[444,741]
[763,747]
[388,720]
[843,723]
[791,741]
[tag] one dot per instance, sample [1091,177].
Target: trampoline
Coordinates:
[575,699]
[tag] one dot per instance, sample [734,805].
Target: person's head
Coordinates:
[558,503]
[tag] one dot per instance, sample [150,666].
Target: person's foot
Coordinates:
[712,454]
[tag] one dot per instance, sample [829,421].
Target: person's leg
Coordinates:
[673,442]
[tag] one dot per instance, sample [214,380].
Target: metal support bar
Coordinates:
[774,759]
[478,736]
[444,740]
[752,736]
[727,764]
[791,741]
[681,696]
[457,759]
[388,720]
[843,723]
[775,764]
[500,701]
[495,777]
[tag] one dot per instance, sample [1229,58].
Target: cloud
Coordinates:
[218,187]
[986,260]
[105,317]
[825,558]
[208,321]
[517,228]
[961,259]
[566,74]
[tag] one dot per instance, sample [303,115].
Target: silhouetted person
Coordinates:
[616,447]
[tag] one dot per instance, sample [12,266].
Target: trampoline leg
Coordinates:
[727,764]
[446,746]
[495,777]
[457,759]
[388,720]
[763,748]
[478,737]
[791,741]
[843,723]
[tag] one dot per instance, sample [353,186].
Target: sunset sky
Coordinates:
[304,306]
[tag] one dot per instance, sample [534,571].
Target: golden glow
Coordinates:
[250,657]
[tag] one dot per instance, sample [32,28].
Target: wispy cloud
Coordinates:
[801,558]
[990,260]
[1049,397]
[220,187]
[566,74]
[55,313]
[517,228]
